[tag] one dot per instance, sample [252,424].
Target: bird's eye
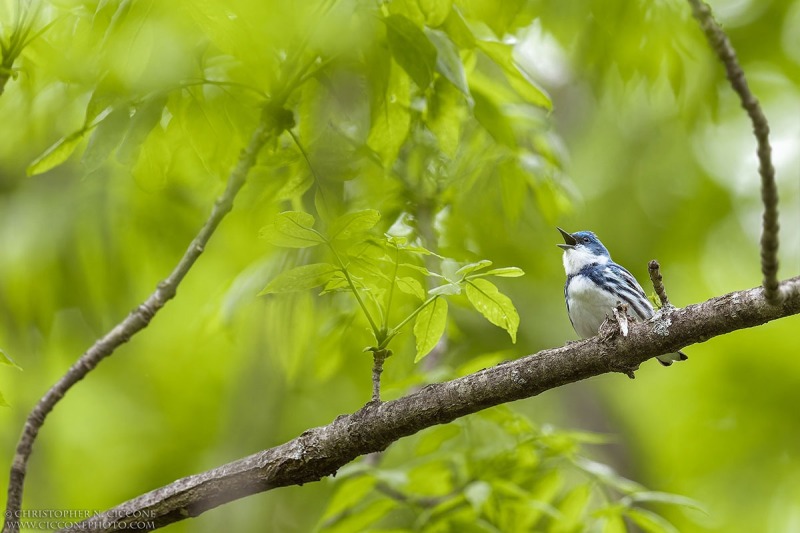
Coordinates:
[586,239]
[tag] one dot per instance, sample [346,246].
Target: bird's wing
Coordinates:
[630,290]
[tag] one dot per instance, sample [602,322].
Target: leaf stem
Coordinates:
[406,320]
[378,357]
[391,287]
[311,168]
[372,323]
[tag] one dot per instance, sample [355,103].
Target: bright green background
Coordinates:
[646,145]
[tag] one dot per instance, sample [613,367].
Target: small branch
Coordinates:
[414,313]
[375,329]
[769,191]
[391,288]
[378,357]
[321,451]
[136,321]
[658,282]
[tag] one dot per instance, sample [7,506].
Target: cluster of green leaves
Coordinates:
[177,113]
[448,116]
[372,268]
[495,471]
[442,109]
[445,108]
[21,34]
[427,40]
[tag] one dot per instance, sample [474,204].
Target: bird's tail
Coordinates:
[669,358]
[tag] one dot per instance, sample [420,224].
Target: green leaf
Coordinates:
[362,517]
[418,268]
[410,286]
[650,522]
[429,327]
[301,278]
[505,272]
[3,402]
[418,250]
[326,206]
[104,99]
[666,497]
[448,62]
[472,267]
[391,119]
[446,116]
[614,524]
[459,32]
[435,11]
[493,88]
[56,154]
[492,118]
[369,249]
[573,508]
[409,9]
[6,360]
[547,486]
[350,493]
[492,304]
[450,289]
[412,49]
[477,493]
[145,118]
[106,138]
[502,54]
[347,225]
[292,229]
[433,438]
[337,283]
[502,17]
[607,475]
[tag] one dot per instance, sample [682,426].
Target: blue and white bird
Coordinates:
[596,285]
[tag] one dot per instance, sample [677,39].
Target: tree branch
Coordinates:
[321,451]
[658,282]
[136,321]
[769,191]
[378,358]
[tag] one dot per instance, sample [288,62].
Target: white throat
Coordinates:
[577,258]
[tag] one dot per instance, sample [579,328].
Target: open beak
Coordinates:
[569,240]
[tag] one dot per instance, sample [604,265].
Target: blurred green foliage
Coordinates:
[471,127]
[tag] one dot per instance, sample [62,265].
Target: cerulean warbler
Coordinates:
[596,285]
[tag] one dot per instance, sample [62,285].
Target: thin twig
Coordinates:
[378,357]
[769,192]
[136,321]
[658,282]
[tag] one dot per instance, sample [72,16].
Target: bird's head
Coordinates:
[580,249]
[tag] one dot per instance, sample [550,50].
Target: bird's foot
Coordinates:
[616,323]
